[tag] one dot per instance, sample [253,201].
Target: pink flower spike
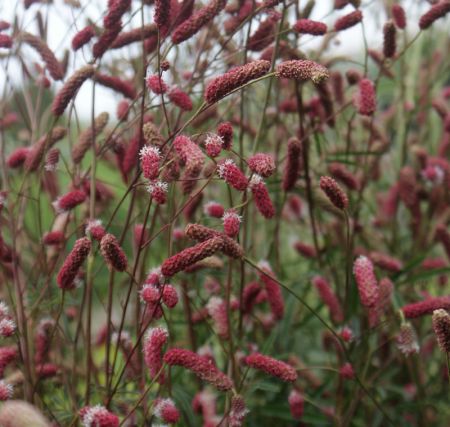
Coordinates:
[366,281]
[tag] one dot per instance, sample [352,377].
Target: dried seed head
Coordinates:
[335,193]
[302,70]
[113,253]
[441,326]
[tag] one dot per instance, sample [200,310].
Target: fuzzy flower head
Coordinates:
[366,281]
[95,229]
[407,339]
[156,84]
[302,70]
[232,175]
[271,366]
[150,157]
[150,293]
[238,411]
[217,309]
[69,201]
[365,98]
[262,164]
[167,411]
[231,222]
[170,296]
[6,391]
[4,310]
[213,209]
[7,327]
[180,98]
[334,193]
[154,341]
[98,416]
[261,197]
[158,191]
[213,144]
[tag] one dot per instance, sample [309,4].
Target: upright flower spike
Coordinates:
[238,411]
[334,193]
[261,197]
[348,21]
[366,281]
[232,175]
[296,404]
[262,164]
[271,366]
[329,298]
[113,253]
[302,70]
[399,16]
[438,10]
[150,158]
[98,416]
[292,169]
[167,411]
[389,42]
[441,326]
[231,222]
[342,174]
[221,86]
[273,290]
[69,201]
[200,366]
[154,341]
[73,262]
[225,131]
[180,98]
[365,99]
[407,339]
[217,309]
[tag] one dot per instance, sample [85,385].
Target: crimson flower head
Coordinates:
[73,262]
[69,201]
[231,222]
[441,326]
[6,391]
[334,193]
[167,411]
[407,339]
[150,158]
[348,21]
[366,281]
[180,98]
[308,26]
[399,16]
[225,131]
[217,309]
[296,404]
[238,411]
[95,229]
[156,84]
[214,209]
[98,416]
[271,366]
[213,145]
[232,175]
[262,164]
[438,10]
[158,191]
[346,371]
[302,70]
[261,197]
[82,37]
[154,341]
[113,253]
[365,99]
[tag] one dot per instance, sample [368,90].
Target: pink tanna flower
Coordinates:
[271,366]
[213,209]
[225,131]
[17,157]
[7,327]
[296,404]
[386,262]
[308,26]
[7,355]
[95,229]
[180,98]
[346,371]
[190,256]
[441,326]
[292,169]
[82,37]
[69,201]
[365,99]
[438,10]
[162,13]
[231,222]
[262,164]
[389,42]
[116,9]
[158,191]
[261,197]
[238,411]
[156,84]
[190,154]
[98,416]
[329,298]
[217,309]
[273,290]
[123,109]
[73,262]
[348,21]
[213,145]
[406,339]
[124,87]
[154,341]
[150,293]
[302,70]
[399,16]
[170,296]
[200,366]
[221,86]
[166,410]
[427,306]
[366,281]
[334,193]
[306,250]
[232,175]
[197,20]
[150,157]
[113,253]
[6,391]
[53,238]
[342,174]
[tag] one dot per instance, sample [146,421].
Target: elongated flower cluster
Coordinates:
[441,326]
[292,169]
[213,145]
[308,26]
[421,308]
[238,411]
[262,164]
[116,9]
[166,410]
[232,175]
[271,366]
[158,191]
[150,158]
[366,281]
[217,309]
[296,404]
[261,197]
[113,253]
[438,10]
[221,86]
[98,416]
[83,37]
[406,339]
[365,99]
[386,262]
[348,21]
[162,13]
[334,193]
[302,70]
[17,157]
[116,84]
[7,355]
[342,174]
[200,366]
[190,154]
[195,22]
[69,201]
[225,131]
[154,341]
[231,222]
[73,262]
[273,290]
[329,298]
[263,36]
[180,98]
[399,16]
[389,42]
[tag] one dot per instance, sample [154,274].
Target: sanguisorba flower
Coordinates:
[271,366]
[180,98]
[225,131]
[366,281]
[292,169]
[238,411]
[154,341]
[329,298]
[113,253]
[166,410]
[427,306]
[399,16]
[69,201]
[334,193]
[221,86]
[296,404]
[150,158]
[262,164]
[438,10]
[6,391]
[406,339]
[232,175]
[389,42]
[231,222]
[156,84]
[365,98]
[348,21]
[200,366]
[273,290]
[158,191]
[217,309]
[73,262]
[441,326]
[261,197]
[308,26]
[302,70]
[82,37]
[98,416]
